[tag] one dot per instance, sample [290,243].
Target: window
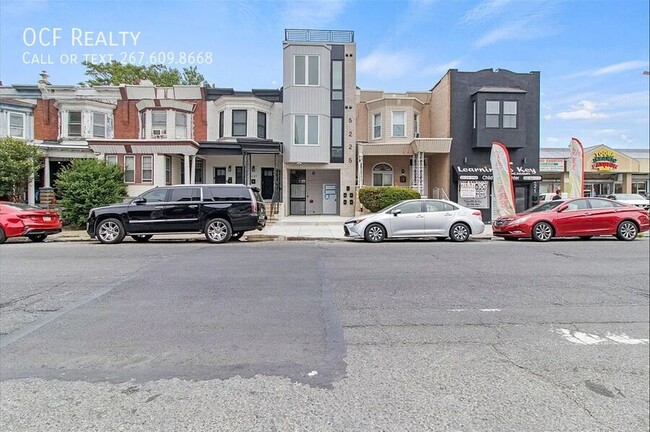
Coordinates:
[409,207]
[143,124]
[492,111]
[168,170]
[239,123]
[221,123]
[399,126]
[337,80]
[382,175]
[601,203]
[181,125]
[305,130]
[17,125]
[155,195]
[510,114]
[198,171]
[578,205]
[474,115]
[185,194]
[74,123]
[239,175]
[416,125]
[147,168]
[111,159]
[336,150]
[306,70]
[438,206]
[376,126]
[261,124]
[129,169]
[158,124]
[99,125]
[229,193]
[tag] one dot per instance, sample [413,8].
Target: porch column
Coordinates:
[360,169]
[31,191]
[186,161]
[46,173]
[193,170]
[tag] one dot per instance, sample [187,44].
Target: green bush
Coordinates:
[88,183]
[376,198]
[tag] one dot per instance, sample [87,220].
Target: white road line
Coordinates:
[594,339]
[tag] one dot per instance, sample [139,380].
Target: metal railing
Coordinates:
[311,35]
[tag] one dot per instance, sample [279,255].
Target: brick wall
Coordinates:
[200,120]
[46,121]
[127,124]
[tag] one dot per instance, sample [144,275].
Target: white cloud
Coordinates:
[312,14]
[484,10]
[385,65]
[552,140]
[437,70]
[621,67]
[584,110]
[548,117]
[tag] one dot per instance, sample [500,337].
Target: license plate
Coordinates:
[47,218]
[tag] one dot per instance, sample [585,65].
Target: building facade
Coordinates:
[318,119]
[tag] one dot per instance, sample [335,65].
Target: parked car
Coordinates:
[632,199]
[220,211]
[546,196]
[417,218]
[23,220]
[581,217]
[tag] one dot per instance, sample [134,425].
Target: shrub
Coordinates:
[376,198]
[88,183]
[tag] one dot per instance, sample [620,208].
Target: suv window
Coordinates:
[155,195]
[410,207]
[229,193]
[185,194]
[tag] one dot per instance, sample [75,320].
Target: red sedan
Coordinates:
[581,217]
[35,223]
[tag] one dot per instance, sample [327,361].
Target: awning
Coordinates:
[185,147]
[238,146]
[425,145]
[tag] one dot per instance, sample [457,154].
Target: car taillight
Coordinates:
[477,213]
[254,204]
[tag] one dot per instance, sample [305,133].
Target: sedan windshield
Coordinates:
[545,206]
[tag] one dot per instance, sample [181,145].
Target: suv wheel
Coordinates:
[218,231]
[110,231]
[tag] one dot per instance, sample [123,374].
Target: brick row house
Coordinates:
[309,146]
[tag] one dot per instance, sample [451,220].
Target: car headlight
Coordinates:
[356,221]
[520,220]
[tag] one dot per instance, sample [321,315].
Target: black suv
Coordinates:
[220,211]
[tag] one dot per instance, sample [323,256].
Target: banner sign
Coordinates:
[503,187]
[551,165]
[576,169]
[474,194]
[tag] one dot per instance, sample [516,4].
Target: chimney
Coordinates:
[44,79]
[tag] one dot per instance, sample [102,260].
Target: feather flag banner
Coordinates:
[503,187]
[576,169]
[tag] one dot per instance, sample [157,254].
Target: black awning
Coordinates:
[219,148]
[241,146]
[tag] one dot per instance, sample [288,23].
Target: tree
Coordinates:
[18,161]
[88,183]
[116,73]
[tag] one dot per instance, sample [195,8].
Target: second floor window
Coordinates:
[305,130]
[337,80]
[238,123]
[181,125]
[74,123]
[221,123]
[416,125]
[99,125]
[158,124]
[492,114]
[376,125]
[17,125]
[399,124]
[510,114]
[306,70]
[261,125]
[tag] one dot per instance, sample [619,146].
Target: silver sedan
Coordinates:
[417,218]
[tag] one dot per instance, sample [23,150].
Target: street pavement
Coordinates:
[320,227]
[325,336]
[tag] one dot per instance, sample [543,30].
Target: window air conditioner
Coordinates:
[158,133]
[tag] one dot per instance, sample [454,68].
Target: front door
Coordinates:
[148,217]
[409,222]
[181,213]
[521,198]
[219,175]
[267,183]
[329,199]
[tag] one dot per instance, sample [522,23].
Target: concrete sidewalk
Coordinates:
[289,228]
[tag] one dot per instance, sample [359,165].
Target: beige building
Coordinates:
[607,170]
[395,145]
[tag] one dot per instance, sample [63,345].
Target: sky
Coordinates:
[591,54]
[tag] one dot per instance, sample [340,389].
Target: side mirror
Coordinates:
[396,212]
[562,208]
[138,201]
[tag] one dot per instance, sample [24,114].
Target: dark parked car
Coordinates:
[581,217]
[219,211]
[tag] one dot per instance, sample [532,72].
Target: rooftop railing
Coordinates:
[308,35]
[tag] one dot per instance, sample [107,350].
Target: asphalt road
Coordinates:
[332,336]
